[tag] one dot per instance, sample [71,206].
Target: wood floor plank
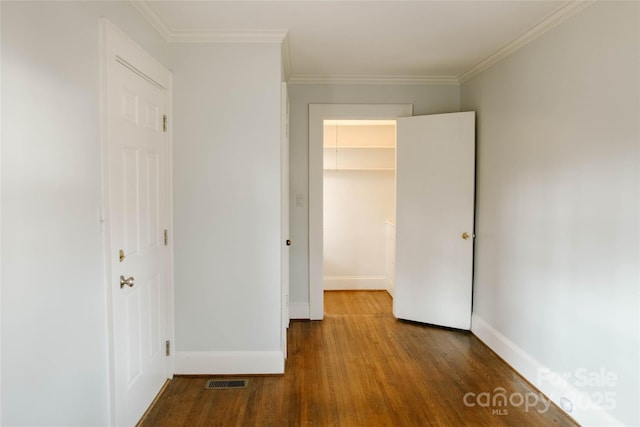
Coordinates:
[362,367]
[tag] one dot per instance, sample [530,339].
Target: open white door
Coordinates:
[434,219]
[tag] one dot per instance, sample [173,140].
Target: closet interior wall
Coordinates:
[359,204]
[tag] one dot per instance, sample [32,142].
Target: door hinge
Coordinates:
[164,123]
[166,237]
[167,346]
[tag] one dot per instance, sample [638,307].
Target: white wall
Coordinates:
[425,100]
[356,206]
[54,336]
[226,132]
[556,270]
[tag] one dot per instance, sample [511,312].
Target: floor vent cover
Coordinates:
[224,384]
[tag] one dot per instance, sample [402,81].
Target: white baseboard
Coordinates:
[299,310]
[229,362]
[584,410]
[390,287]
[346,283]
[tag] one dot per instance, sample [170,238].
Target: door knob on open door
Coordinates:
[466,235]
[127,282]
[288,242]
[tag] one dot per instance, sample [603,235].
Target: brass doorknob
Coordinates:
[127,282]
[466,235]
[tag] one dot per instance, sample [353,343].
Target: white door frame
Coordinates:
[284,216]
[0,212]
[317,114]
[113,40]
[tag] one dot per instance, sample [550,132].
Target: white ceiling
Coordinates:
[368,41]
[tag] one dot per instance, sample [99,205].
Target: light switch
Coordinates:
[299,200]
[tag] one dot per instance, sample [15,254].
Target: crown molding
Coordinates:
[150,14]
[173,35]
[374,80]
[227,36]
[547,23]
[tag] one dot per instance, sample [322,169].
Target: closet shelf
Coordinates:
[359,158]
[363,147]
[358,169]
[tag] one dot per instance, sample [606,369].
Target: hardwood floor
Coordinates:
[362,367]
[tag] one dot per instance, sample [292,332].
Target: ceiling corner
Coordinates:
[150,14]
[550,21]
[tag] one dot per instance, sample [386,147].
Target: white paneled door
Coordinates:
[434,219]
[138,218]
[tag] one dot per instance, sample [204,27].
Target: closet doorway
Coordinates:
[359,158]
[318,114]
[434,181]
